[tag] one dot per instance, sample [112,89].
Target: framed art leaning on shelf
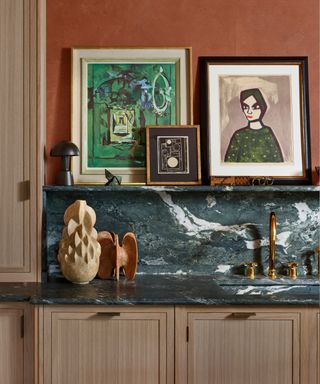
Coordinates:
[173,155]
[116,93]
[255,118]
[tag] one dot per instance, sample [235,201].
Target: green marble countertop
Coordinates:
[166,290]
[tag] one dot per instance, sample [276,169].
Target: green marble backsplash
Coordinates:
[196,230]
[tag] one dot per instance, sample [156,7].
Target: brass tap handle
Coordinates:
[251,269]
[293,270]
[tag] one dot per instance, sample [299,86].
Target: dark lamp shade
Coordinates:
[65,148]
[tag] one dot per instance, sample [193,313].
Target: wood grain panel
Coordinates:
[19,144]
[11,346]
[12,92]
[131,347]
[16,343]
[248,351]
[263,348]
[318,348]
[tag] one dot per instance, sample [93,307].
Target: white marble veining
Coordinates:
[155,261]
[255,244]
[211,201]
[267,290]
[195,226]
[179,272]
[303,211]
[281,239]
[223,268]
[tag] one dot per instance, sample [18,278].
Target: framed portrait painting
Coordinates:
[173,155]
[116,93]
[255,118]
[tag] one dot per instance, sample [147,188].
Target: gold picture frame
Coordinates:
[116,93]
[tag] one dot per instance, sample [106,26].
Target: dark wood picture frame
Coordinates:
[173,155]
[209,69]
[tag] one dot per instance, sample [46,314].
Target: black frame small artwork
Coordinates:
[255,118]
[173,155]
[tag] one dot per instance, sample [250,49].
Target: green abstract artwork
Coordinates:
[124,98]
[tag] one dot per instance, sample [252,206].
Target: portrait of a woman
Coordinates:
[256,142]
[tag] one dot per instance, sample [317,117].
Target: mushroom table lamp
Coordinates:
[65,149]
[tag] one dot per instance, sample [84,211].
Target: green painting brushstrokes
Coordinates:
[122,100]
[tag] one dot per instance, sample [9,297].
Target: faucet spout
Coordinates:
[272,247]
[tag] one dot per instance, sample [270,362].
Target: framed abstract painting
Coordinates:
[173,155]
[116,93]
[255,119]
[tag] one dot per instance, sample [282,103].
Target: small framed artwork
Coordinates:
[116,93]
[255,121]
[173,155]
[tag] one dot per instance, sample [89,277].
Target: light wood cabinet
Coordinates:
[108,345]
[181,345]
[16,344]
[245,345]
[20,141]
[318,345]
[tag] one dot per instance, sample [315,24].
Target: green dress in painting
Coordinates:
[249,145]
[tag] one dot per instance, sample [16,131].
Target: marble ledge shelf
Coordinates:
[200,188]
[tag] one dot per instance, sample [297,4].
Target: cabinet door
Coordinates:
[310,345]
[19,194]
[318,346]
[96,345]
[16,357]
[242,347]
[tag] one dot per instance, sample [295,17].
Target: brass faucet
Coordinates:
[272,246]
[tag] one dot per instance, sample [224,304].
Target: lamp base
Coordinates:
[65,178]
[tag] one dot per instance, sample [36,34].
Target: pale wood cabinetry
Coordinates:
[181,345]
[108,344]
[16,344]
[242,345]
[19,144]
[318,345]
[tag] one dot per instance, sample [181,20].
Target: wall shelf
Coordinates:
[200,188]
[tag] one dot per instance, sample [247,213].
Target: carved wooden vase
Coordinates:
[79,250]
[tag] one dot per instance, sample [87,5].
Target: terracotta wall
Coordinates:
[210,27]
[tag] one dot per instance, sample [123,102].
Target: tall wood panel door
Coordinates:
[16,355]
[19,144]
[114,345]
[229,346]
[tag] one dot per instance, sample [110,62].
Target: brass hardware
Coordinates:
[292,270]
[251,269]
[108,314]
[272,247]
[318,252]
[241,315]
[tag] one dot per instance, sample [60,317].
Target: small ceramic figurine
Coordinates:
[113,256]
[79,250]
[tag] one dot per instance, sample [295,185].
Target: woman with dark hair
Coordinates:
[255,143]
